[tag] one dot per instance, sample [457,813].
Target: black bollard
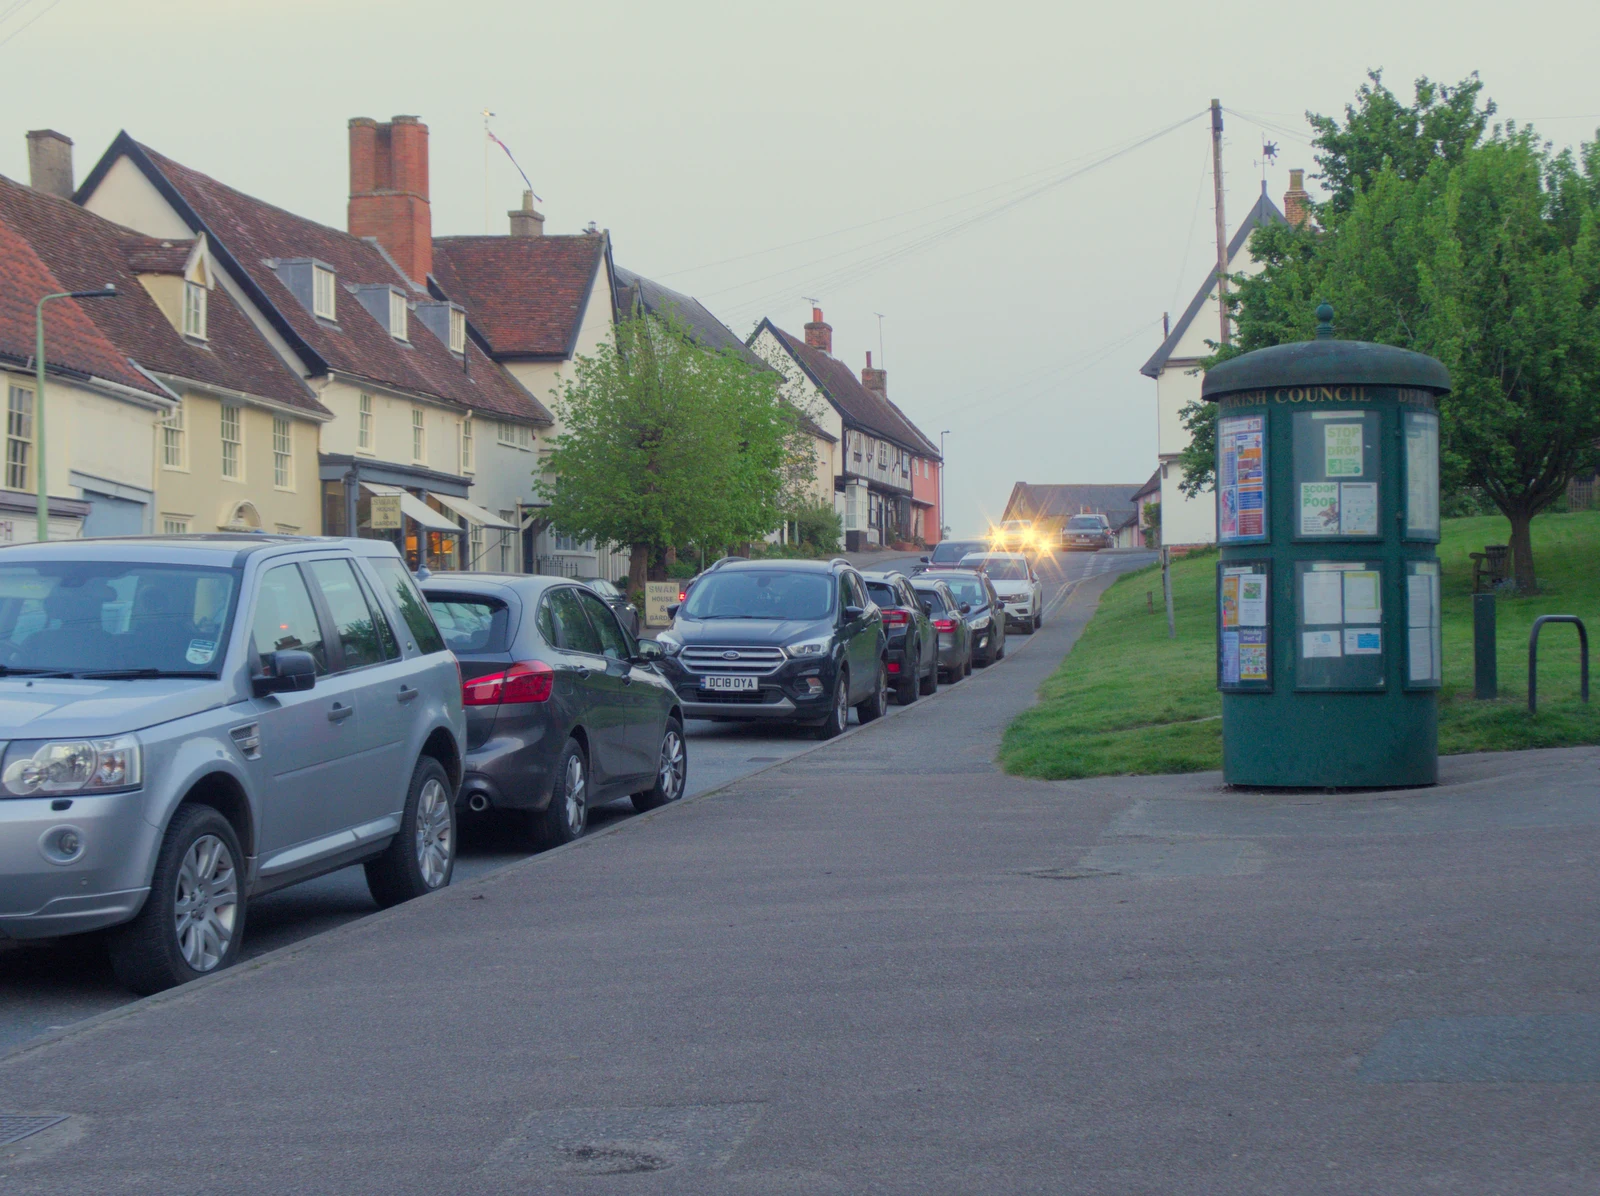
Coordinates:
[1486,682]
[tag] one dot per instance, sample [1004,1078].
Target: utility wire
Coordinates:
[5,41]
[14,7]
[1194,218]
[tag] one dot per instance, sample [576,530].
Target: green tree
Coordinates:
[666,442]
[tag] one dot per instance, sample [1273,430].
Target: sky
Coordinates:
[955,167]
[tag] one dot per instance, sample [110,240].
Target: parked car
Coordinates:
[1017,585]
[984,615]
[949,552]
[1092,532]
[913,659]
[611,594]
[948,615]
[779,641]
[565,708]
[1015,535]
[223,716]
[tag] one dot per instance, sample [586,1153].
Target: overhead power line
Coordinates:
[20,29]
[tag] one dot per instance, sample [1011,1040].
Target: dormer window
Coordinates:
[458,330]
[397,315]
[323,290]
[194,310]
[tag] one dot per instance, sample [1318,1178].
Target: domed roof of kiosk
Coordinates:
[1326,362]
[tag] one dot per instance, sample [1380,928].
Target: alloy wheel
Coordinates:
[674,764]
[883,687]
[841,704]
[435,835]
[206,908]
[577,796]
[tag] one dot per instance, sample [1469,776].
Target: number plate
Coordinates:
[730,684]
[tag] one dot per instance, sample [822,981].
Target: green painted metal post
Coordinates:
[1485,668]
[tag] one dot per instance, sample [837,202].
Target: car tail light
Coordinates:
[682,594]
[526,681]
[894,666]
[896,618]
[944,624]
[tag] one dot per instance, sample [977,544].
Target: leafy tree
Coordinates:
[666,442]
[819,526]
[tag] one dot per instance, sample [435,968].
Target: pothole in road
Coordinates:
[615,1158]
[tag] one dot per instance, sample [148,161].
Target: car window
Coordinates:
[1085,523]
[856,588]
[352,617]
[934,599]
[393,577]
[1000,568]
[285,619]
[573,631]
[546,621]
[386,637]
[968,589]
[471,622]
[612,642]
[883,593]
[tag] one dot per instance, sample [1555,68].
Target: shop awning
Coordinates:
[473,513]
[414,508]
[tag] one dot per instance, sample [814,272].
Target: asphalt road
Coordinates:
[46,987]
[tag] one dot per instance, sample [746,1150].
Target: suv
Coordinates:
[193,721]
[784,641]
[1017,585]
[1087,531]
[913,643]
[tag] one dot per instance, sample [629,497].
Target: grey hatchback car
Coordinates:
[192,721]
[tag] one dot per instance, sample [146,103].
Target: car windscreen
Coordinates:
[114,617]
[951,551]
[470,622]
[882,593]
[967,589]
[1085,523]
[760,594]
[1000,568]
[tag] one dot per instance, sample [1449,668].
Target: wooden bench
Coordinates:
[1492,565]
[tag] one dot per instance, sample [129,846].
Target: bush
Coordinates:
[820,527]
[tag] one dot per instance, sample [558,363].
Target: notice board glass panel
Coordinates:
[1242,478]
[1339,625]
[1336,469]
[1421,430]
[1424,655]
[1244,626]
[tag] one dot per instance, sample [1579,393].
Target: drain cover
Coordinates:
[14,1127]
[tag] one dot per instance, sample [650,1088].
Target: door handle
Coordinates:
[406,694]
[338,713]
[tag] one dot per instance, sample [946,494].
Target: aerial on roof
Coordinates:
[526,295]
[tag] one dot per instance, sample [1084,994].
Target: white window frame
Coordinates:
[282,453]
[419,435]
[21,412]
[458,330]
[508,545]
[174,525]
[506,433]
[525,438]
[286,529]
[194,310]
[397,316]
[324,293]
[364,423]
[467,447]
[236,444]
[175,441]
[475,545]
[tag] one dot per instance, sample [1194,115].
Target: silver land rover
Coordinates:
[190,721]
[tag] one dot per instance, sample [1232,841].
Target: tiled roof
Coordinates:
[690,312]
[855,402]
[85,251]
[253,233]
[1062,502]
[526,295]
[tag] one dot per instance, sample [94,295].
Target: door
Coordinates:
[643,732]
[581,662]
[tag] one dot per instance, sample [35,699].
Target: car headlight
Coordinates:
[670,644]
[808,648]
[980,624]
[72,766]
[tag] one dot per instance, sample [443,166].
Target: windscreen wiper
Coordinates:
[124,674]
[8,671]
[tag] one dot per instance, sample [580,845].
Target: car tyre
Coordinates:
[1038,621]
[839,712]
[421,858]
[930,683]
[567,815]
[906,692]
[966,670]
[877,704]
[192,923]
[672,770]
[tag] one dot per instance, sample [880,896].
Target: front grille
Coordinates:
[693,693]
[746,661]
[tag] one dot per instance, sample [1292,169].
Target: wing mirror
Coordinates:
[287,671]
[673,608]
[965,608]
[648,652]
[923,559]
[852,613]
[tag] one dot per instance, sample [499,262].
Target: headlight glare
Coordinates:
[72,766]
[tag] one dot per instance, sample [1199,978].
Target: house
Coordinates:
[1050,506]
[351,314]
[538,302]
[1132,534]
[238,448]
[880,449]
[1175,366]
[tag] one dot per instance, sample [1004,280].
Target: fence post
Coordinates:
[1533,657]
[1166,585]
[1485,668]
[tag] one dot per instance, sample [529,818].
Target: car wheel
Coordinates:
[192,922]
[906,692]
[567,815]
[839,713]
[1000,651]
[966,670]
[672,770]
[878,703]
[422,855]
[1038,620]
[930,683]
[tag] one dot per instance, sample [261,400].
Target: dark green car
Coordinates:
[913,659]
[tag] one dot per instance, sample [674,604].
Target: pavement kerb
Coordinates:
[239,972]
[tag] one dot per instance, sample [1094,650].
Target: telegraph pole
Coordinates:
[1222,220]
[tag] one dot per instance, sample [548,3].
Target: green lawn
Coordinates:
[1129,700]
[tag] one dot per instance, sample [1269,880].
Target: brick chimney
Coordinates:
[819,335]
[877,381]
[525,222]
[389,190]
[50,162]
[1297,200]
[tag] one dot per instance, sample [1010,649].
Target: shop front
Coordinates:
[406,506]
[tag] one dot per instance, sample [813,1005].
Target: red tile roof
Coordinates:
[254,232]
[85,251]
[527,295]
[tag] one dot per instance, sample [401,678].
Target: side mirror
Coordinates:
[965,608]
[852,613]
[672,609]
[649,652]
[288,671]
[923,559]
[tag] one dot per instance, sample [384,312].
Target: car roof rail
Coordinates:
[839,560]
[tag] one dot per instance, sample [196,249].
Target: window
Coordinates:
[194,310]
[508,546]
[397,315]
[524,437]
[547,622]
[470,623]
[856,441]
[393,577]
[175,525]
[567,543]
[573,632]
[506,433]
[285,620]
[19,439]
[286,529]
[613,642]
[883,453]
[458,330]
[172,439]
[282,453]
[364,424]
[474,545]
[354,622]
[466,446]
[232,443]
[322,292]
[419,436]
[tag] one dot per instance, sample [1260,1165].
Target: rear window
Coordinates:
[951,551]
[471,623]
[393,577]
[883,593]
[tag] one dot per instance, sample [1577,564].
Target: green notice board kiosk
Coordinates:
[1328,654]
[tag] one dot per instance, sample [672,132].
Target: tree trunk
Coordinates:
[1522,552]
[638,567]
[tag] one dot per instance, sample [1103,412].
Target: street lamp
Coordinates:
[106,292]
[943,518]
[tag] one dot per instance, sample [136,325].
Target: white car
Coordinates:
[1017,585]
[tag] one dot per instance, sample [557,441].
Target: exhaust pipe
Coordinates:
[477,803]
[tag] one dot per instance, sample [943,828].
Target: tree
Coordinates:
[666,442]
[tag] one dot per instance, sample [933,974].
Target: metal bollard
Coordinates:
[1533,657]
[1485,671]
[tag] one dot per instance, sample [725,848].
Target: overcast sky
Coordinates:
[699,132]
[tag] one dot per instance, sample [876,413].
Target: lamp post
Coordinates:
[106,292]
[942,516]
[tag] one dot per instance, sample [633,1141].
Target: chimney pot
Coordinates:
[1297,200]
[50,162]
[877,381]
[389,190]
[819,333]
[525,221]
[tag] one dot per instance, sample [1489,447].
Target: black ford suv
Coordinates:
[785,641]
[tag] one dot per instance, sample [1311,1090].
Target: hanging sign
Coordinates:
[385,512]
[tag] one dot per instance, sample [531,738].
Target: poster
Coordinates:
[1319,508]
[1420,654]
[1419,600]
[1314,644]
[1361,601]
[1230,600]
[1422,474]
[1362,641]
[1358,509]
[1230,658]
[1253,600]
[1341,445]
[1253,655]
[1322,597]
[1241,478]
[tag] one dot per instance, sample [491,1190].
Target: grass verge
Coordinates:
[1128,700]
